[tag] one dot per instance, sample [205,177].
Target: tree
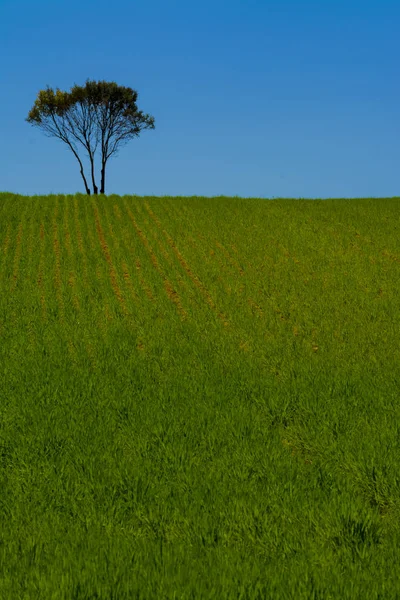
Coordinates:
[98,112]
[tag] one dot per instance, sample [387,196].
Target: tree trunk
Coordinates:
[84,181]
[95,188]
[103,177]
[81,166]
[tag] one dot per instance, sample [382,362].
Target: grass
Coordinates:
[199,398]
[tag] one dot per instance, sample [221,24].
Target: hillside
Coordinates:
[209,384]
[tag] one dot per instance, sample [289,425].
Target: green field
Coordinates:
[199,398]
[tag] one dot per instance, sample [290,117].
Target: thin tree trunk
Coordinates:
[95,188]
[81,166]
[103,177]
[84,181]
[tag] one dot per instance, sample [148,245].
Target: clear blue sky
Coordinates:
[251,98]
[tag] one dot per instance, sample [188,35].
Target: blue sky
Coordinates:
[250,98]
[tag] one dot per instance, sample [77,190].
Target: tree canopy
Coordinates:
[98,113]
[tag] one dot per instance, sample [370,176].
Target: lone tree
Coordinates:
[98,112]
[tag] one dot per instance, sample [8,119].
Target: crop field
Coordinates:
[199,398]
